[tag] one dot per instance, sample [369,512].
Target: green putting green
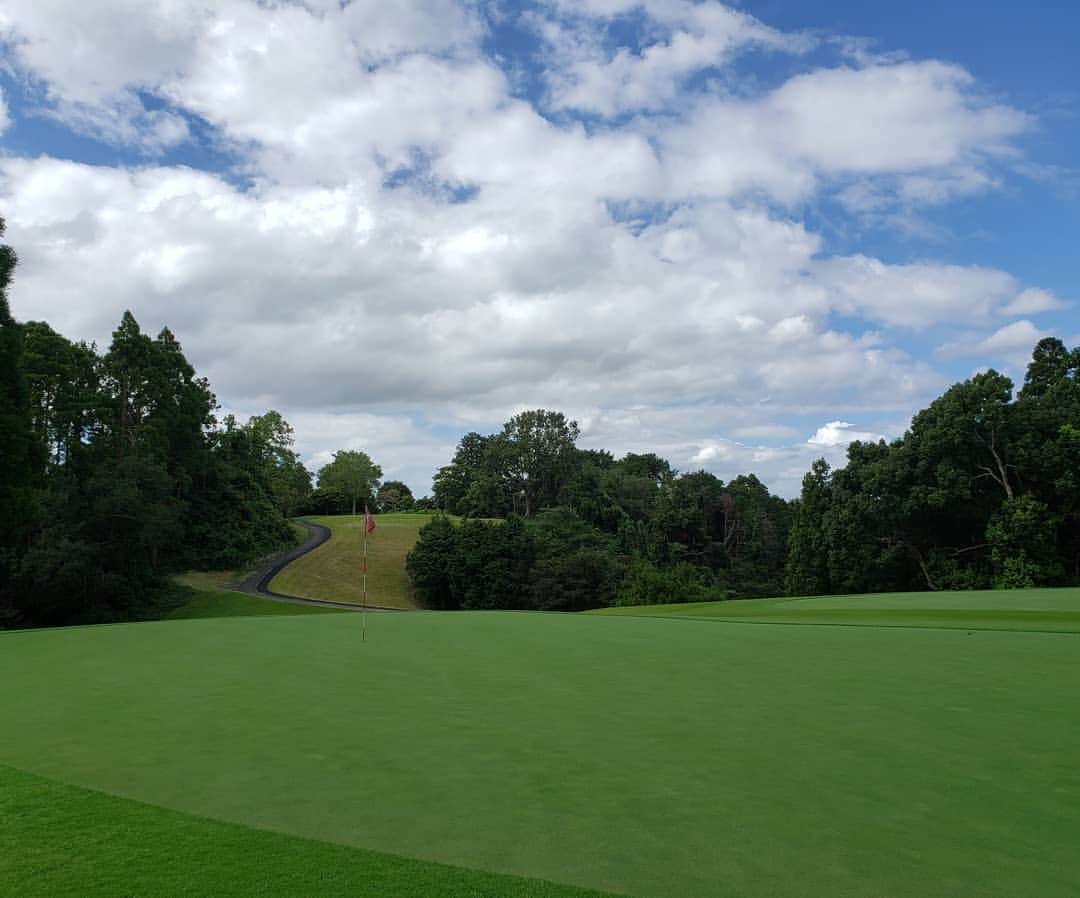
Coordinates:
[1041,610]
[640,756]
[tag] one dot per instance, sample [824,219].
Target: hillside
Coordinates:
[334,570]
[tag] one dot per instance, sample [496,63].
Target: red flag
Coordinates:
[369,520]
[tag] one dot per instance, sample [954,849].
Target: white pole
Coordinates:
[363,614]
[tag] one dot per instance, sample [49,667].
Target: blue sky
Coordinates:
[736,235]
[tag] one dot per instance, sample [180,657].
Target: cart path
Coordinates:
[258,582]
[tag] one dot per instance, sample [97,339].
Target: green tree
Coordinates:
[235,516]
[354,475]
[430,561]
[453,482]
[20,452]
[65,390]
[808,554]
[394,495]
[491,568]
[290,482]
[535,454]
[1022,537]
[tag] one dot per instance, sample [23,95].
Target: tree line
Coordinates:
[982,491]
[550,526]
[115,472]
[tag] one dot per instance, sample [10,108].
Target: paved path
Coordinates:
[258,582]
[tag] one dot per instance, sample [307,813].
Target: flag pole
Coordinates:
[363,613]
[369,525]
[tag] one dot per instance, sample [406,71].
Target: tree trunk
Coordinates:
[918,556]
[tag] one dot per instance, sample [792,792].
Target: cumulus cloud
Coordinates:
[1032,301]
[920,125]
[689,37]
[840,433]
[1011,344]
[917,295]
[419,249]
[5,120]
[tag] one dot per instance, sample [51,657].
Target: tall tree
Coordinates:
[808,554]
[535,454]
[394,495]
[20,452]
[272,439]
[354,475]
[65,390]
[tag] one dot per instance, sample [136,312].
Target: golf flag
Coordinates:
[369,520]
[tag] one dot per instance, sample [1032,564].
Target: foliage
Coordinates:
[394,495]
[647,584]
[428,564]
[982,490]
[19,451]
[353,477]
[118,473]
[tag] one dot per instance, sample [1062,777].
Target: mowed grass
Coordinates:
[208,595]
[60,840]
[635,755]
[216,602]
[1045,610]
[334,570]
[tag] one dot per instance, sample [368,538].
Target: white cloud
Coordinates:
[1033,301]
[924,121]
[5,119]
[638,275]
[692,37]
[1011,344]
[1022,335]
[917,295]
[901,117]
[840,433]
[765,432]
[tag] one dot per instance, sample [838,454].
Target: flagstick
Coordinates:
[363,614]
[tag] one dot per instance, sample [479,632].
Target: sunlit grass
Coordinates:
[334,571]
[657,758]
[1018,609]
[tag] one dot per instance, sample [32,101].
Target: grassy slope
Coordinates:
[333,571]
[654,758]
[60,840]
[1044,610]
[228,603]
[208,598]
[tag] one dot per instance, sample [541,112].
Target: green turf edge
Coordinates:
[61,840]
[207,603]
[202,597]
[863,612]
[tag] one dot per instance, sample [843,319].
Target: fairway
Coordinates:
[640,756]
[333,571]
[1036,610]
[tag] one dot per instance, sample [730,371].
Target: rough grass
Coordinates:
[206,594]
[1047,610]
[334,570]
[642,756]
[60,840]
[217,602]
